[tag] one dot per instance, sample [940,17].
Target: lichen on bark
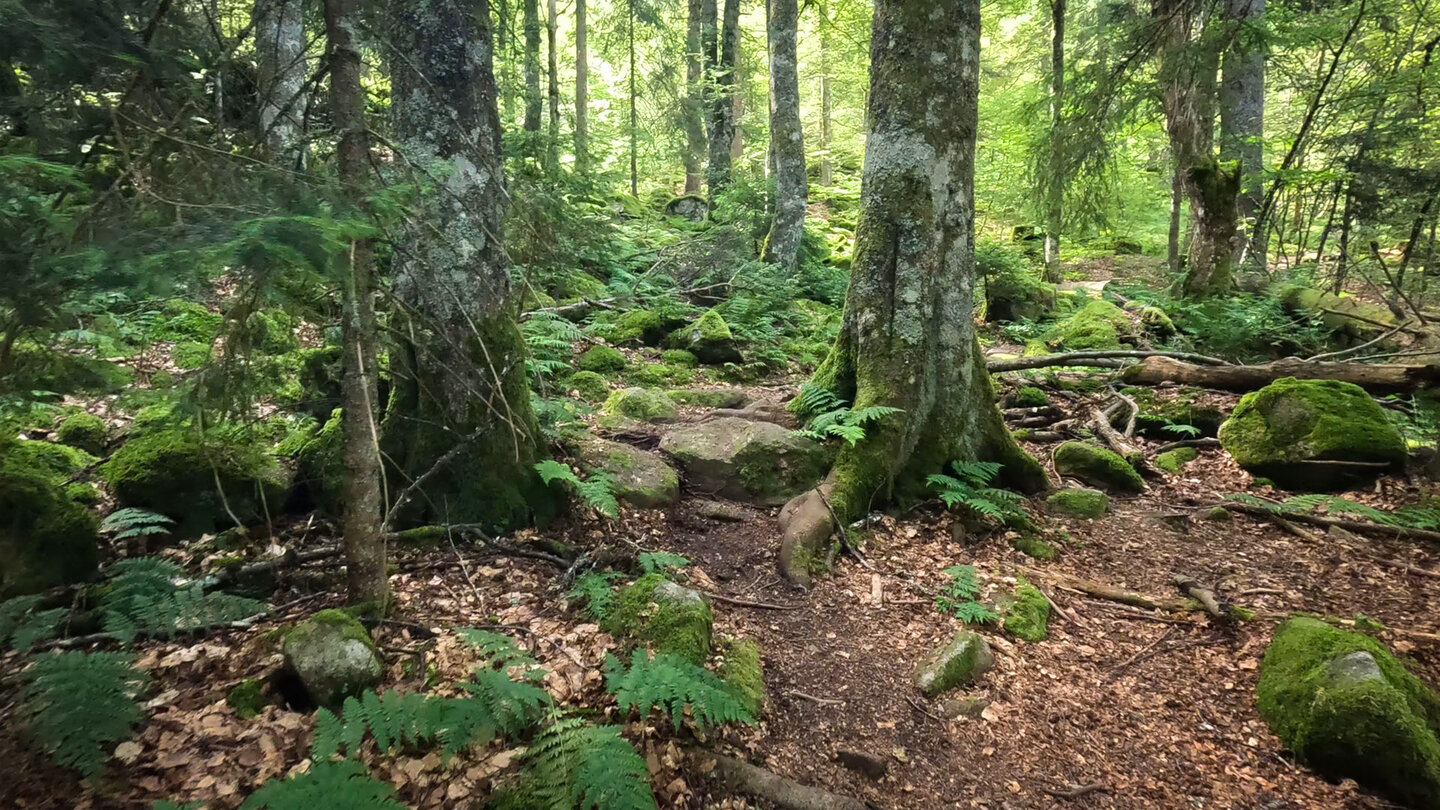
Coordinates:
[787,144]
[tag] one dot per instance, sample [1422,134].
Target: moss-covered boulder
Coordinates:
[1027,396]
[638,327]
[659,374]
[666,617]
[1078,502]
[643,404]
[679,358]
[757,462]
[711,397]
[83,431]
[690,206]
[1017,295]
[742,670]
[1342,314]
[1034,547]
[182,320]
[1349,709]
[961,660]
[175,472]
[636,476]
[1312,435]
[332,655]
[589,385]
[708,338]
[1098,467]
[1028,616]
[1171,461]
[47,536]
[601,359]
[1097,325]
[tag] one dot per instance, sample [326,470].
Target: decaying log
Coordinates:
[1373,377]
[1357,526]
[751,780]
[1206,597]
[1114,593]
[1096,359]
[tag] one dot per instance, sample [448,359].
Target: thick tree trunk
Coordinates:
[722,103]
[827,165]
[582,90]
[533,103]
[281,69]
[1055,172]
[787,145]
[1386,379]
[552,27]
[364,543]
[1242,118]
[460,370]
[908,337]
[693,108]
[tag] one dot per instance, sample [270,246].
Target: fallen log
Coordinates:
[751,780]
[1105,358]
[1114,593]
[1376,378]
[1357,526]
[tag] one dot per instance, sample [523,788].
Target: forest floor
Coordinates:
[1119,708]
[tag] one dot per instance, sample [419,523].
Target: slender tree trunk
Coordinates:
[1177,199]
[582,90]
[694,104]
[552,23]
[504,50]
[787,143]
[1242,119]
[364,543]
[533,103]
[827,165]
[1055,174]
[281,69]
[634,110]
[908,337]
[722,104]
[459,370]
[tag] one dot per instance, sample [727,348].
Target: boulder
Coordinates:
[333,657]
[691,206]
[757,462]
[1098,467]
[590,385]
[47,536]
[708,338]
[636,476]
[666,617]
[1078,502]
[601,359]
[1312,435]
[1017,295]
[1097,325]
[1028,616]
[637,327]
[83,431]
[1171,461]
[641,404]
[1349,709]
[962,660]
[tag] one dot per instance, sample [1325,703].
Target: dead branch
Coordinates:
[1205,442]
[742,777]
[1373,377]
[1078,791]
[1357,526]
[1206,597]
[1091,358]
[730,600]
[1113,593]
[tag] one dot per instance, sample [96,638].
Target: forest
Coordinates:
[735,404]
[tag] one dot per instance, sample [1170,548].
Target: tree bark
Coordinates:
[693,108]
[634,112]
[1055,173]
[552,23]
[908,336]
[582,90]
[787,145]
[722,104]
[533,104]
[459,370]
[281,69]
[1242,119]
[1376,378]
[827,165]
[364,544]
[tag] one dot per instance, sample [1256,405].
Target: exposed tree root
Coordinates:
[751,780]
[1357,526]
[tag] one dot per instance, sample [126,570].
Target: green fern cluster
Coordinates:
[345,784]
[78,705]
[672,683]
[498,649]
[146,595]
[550,339]
[573,764]
[597,491]
[129,523]
[1415,516]
[661,562]
[592,589]
[827,416]
[960,596]
[22,626]
[970,488]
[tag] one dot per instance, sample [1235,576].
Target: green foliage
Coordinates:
[497,648]
[826,415]
[672,683]
[572,764]
[596,491]
[550,340]
[1424,516]
[77,705]
[662,562]
[969,488]
[131,522]
[327,784]
[22,626]
[151,596]
[593,589]
[959,596]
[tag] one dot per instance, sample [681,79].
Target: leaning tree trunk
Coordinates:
[722,106]
[787,144]
[1055,171]
[533,104]
[582,90]
[281,69]
[459,371]
[693,107]
[908,337]
[1242,118]
[365,566]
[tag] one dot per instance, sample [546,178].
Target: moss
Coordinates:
[1016,294]
[320,465]
[962,660]
[708,338]
[1242,614]
[601,359]
[658,374]
[273,331]
[342,621]
[578,285]
[741,669]
[1275,431]
[1077,502]
[319,379]
[710,397]
[1172,460]
[1348,708]
[247,698]
[1028,396]
[644,404]
[83,431]
[36,367]
[638,326]
[1156,322]
[1097,466]
[182,320]
[1097,325]
[57,462]
[590,385]
[673,625]
[1219,514]
[1161,408]
[679,358]
[160,416]
[1029,615]
[47,537]
[189,356]
[1034,547]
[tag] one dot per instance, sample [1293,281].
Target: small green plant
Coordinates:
[959,596]
[127,524]
[550,340]
[661,562]
[970,488]
[345,784]
[147,595]
[827,415]
[593,589]
[1189,431]
[597,491]
[572,764]
[1416,516]
[77,705]
[22,626]
[673,683]
[499,650]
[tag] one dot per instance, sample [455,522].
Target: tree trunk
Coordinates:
[1172,238]
[361,519]
[1055,173]
[634,113]
[722,105]
[533,104]
[552,23]
[1242,118]
[782,245]
[693,108]
[504,52]
[1380,379]
[281,69]
[827,166]
[582,90]
[908,336]
[460,369]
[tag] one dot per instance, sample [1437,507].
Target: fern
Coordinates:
[572,764]
[77,705]
[150,596]
[593,589]
[597,491]
[1406,517]
[814,400]
[499,649]
[22,626]
[327,784]
[550,339]
[652,562]
[960,596]
[842,422]
[672,683]
[970,489]
[1181,430]
[129,523]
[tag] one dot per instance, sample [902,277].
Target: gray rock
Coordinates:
[754,462]
[1353,669]
[636,476]
[670,593]
[332,655]
[961,660]
[963,707]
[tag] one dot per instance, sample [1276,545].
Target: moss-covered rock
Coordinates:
[158,416]
[639,327]
[47,536]
[601,359]
[1156,322]
[711,397]
[659,374]
[1172,461]
[1028,617]
[679,358]
[189,355]
[741,669]
[37,367]
[643,404]
[1027,396]
[319,378]
[83,431]
[1349,709]
[1343,314]
[1078,502]
[247,698]
[1098,467]
[1017,295]
[636,476]
[332,655]
[655,612]
[961,660]
[589,385]
[1097,325]
[736,458]
[1034,547]
[690,206]
[708,338]
[1282,430]
[175,472]
[182,320]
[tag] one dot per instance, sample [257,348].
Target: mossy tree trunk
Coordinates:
[693,108]
[281,69]
[533,104]
[787,144]
[459,372]
[1242,118]
[908,337]
[722,88]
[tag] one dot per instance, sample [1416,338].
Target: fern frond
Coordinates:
[671,683]
[863,416]
[814,399]
[327,784]
[499,650]
[974,613]
[150,595]
[852,434]
[574,764]
[551,471]
[593,588]
[598,492]
[132,522]
[661,561]
[22,626]
[78,705]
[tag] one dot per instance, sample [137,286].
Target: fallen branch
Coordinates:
[1374,377]
[1358,526]
[1114,593]
[1089,358]
[1206,442]
[730,600]
[1203,595]
[742,777]
[1078,791]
